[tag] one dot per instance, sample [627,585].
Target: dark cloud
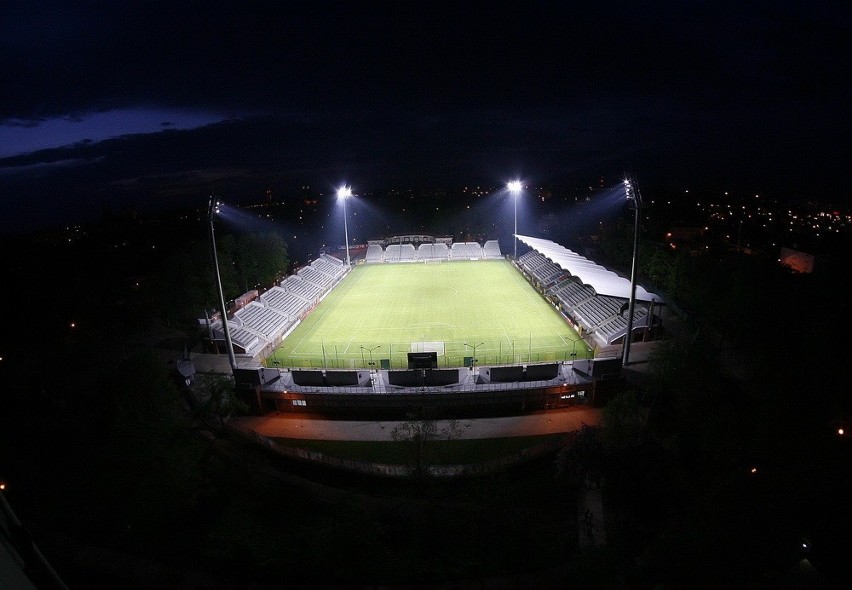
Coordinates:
[715,94]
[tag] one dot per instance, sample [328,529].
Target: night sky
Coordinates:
[153,105]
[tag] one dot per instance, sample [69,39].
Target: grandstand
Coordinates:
[375,253]
[286,301]
[256,328]
[491,249]
[266,321]
[432,252]
[593,297]
[317,277]
[540,267]
[398,250]
[297,285]
[603,281]
[392,253]
[330,266]
[466,251]
[589,298]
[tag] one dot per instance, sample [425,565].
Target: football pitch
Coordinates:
[482,309]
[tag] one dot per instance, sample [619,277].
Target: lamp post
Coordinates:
[344,192]
[213,209]
[473,360]
[370,350]
[574,353]
[515,188]
[635,199]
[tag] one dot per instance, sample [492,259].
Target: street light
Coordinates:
[370,350]
[515,188]
[635,200]
[213,209]
[343,193]
[574,352]
[473,359]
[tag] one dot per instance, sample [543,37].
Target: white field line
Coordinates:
[296,353]
[313,330]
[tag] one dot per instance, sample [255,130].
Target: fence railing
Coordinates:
[394,355]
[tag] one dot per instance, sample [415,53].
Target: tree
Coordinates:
[217,399]
[260,259]
[227,252]
[189,268]
[416,434]
[623,421]
[659,267]
[583,459]
[252,259]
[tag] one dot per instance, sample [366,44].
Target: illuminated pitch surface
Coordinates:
[384,311]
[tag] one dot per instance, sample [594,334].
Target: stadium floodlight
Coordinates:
[473,358]
[634,199]
[343,193]
[515,188]
[212,211]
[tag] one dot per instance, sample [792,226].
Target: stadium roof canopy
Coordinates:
[603,281]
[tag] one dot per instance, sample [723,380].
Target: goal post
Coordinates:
[436,347]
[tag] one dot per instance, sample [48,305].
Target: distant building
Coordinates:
[186,369]
[796,261]
[690,238]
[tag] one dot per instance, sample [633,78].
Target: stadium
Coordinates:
[442,328]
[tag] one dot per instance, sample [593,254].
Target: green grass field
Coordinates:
[385,311]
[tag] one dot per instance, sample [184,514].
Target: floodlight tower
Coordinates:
[515,188]
[634,199]
[473,358]
[212,210]
[343,193]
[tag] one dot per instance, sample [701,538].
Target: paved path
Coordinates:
[281,425]
[591,523]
